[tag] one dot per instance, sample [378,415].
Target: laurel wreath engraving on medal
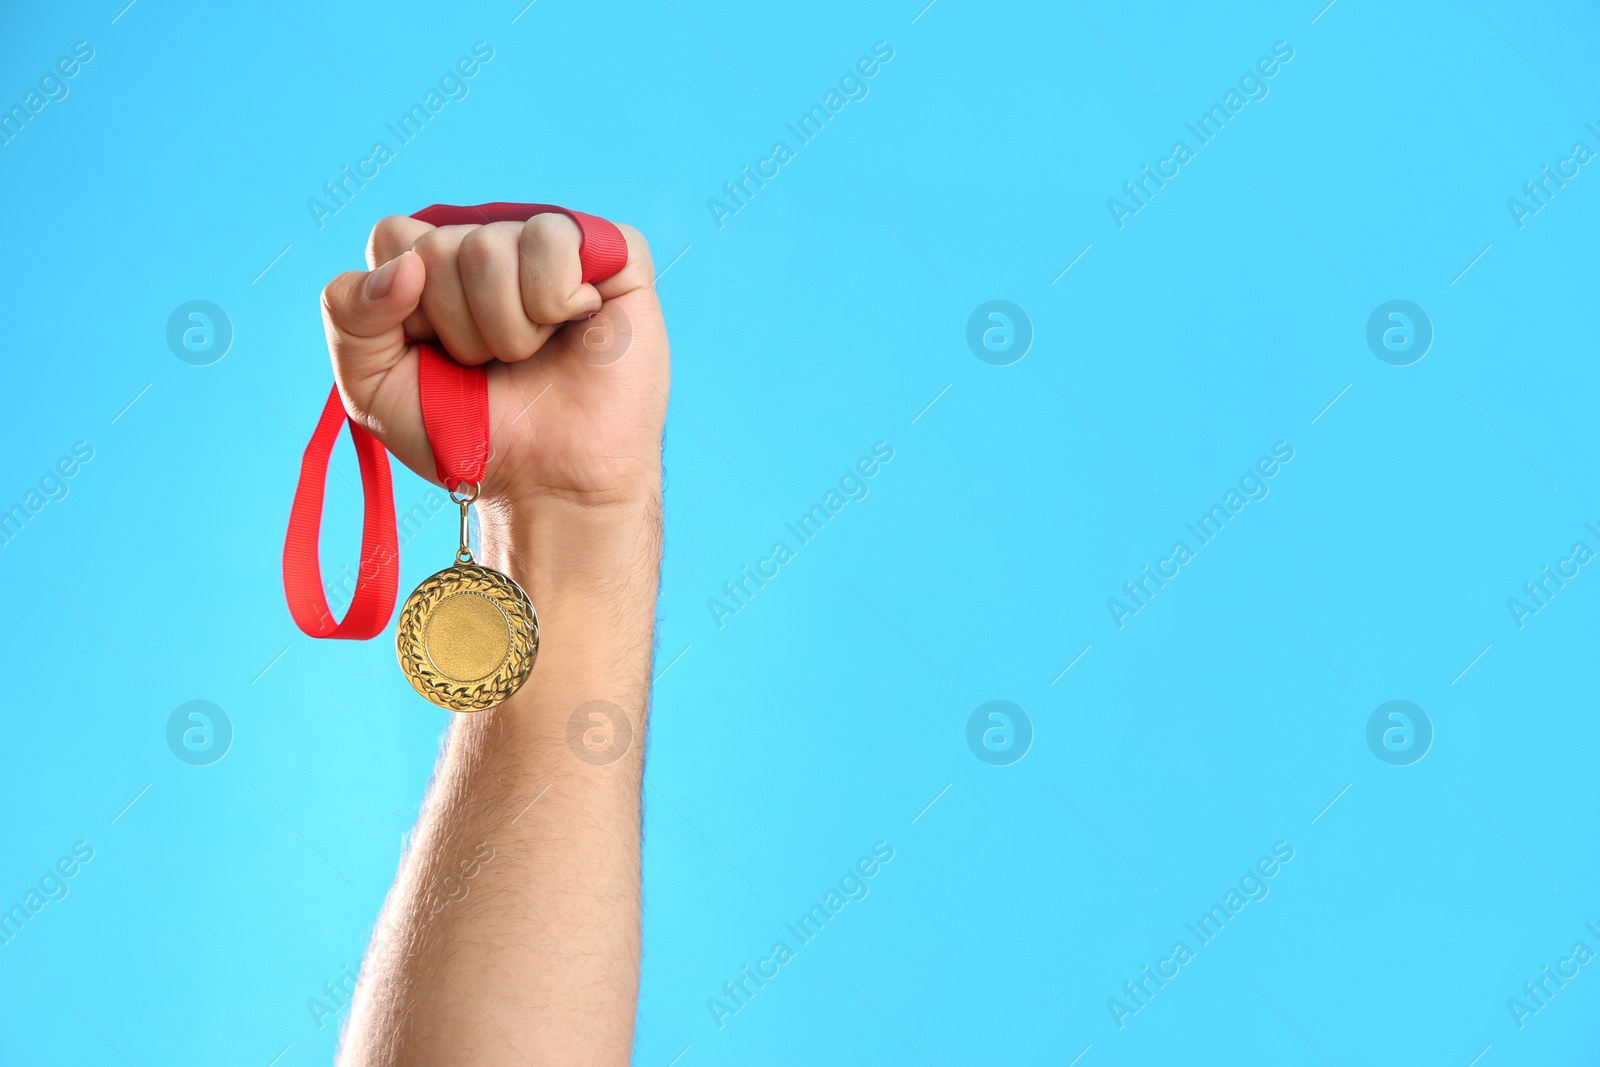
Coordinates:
[467,638]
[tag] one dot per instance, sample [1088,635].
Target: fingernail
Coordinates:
[380,281]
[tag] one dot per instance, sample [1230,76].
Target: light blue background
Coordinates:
[826,715]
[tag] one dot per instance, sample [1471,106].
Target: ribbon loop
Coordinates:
[377,582]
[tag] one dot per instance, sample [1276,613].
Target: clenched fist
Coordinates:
[578,373]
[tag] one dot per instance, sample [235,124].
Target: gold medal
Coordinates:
[467,636]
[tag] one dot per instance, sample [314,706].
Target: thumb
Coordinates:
[363,313]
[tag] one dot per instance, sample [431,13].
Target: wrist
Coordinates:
[592,574]
[577,560]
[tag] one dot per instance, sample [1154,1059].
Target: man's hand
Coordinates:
[538,960]
[578,373]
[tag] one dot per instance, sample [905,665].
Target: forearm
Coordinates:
[533,957]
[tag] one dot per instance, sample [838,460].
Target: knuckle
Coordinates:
[550,228]
[390,227]
[638,248]
[388,235]
[465,350]
[434,247]
[635,239]
[504,347]
[544,304]
[476,243]
[335,296]
[481,253]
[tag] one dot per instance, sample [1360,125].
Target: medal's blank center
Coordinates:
[467,637]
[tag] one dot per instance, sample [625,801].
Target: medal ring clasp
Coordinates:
[464,553]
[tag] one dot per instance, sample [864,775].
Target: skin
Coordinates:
[511,935]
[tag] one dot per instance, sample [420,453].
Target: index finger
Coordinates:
[391,237]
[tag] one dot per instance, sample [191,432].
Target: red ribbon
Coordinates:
[455,414]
